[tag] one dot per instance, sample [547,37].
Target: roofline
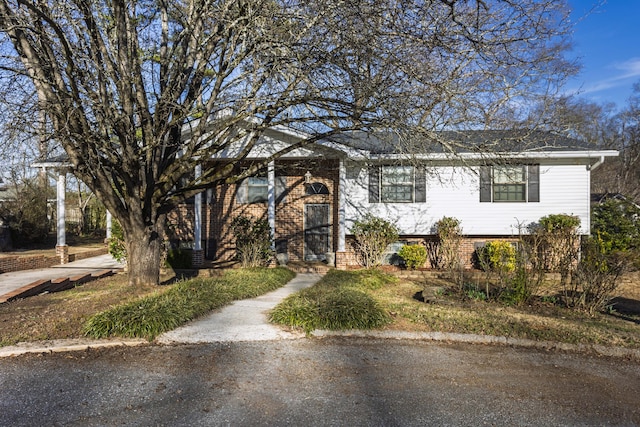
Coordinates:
[51,164]
[596,155]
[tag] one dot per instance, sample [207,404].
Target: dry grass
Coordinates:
[62,315]
[542,321]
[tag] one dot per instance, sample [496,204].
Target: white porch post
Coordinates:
[198,256]
[341,207]
[62,250]
[109,225]
[271,201]
[197,217]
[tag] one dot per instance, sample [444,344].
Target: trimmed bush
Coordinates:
[373,235]
[499,255]
[414,256]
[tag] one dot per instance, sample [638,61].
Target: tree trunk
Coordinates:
[143,256]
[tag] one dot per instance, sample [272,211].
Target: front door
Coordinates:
[317,229]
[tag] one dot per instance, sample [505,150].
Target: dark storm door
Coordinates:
[317,228]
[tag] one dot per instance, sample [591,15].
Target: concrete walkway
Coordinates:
[244,320]
[14,280]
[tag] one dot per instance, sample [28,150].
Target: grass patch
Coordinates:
[369,299]
[152,315]
[61,315]
[341,300]
[541,321]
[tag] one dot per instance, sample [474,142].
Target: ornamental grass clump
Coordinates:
[338,302]
[165,310]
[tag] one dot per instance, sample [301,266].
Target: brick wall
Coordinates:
[467,248]
[20,263]
[223,207]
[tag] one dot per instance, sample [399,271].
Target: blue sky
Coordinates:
[607,41]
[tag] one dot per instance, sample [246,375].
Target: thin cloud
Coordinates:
[625,70]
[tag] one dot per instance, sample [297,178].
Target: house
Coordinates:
[494,182]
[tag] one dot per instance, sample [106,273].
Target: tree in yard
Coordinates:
[623,174]
[603,127]
[134,91]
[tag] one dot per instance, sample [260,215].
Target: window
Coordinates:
[509,183]
[397,184]
[316,188]
[255,189]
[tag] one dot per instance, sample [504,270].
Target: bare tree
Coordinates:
[624,175]
[135,90]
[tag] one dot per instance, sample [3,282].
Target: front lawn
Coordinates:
[110,307]
[399,304]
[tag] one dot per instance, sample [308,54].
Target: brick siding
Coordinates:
[30,262]
[223,207]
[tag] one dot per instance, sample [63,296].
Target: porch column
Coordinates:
[109,225]
[341,255]
[341,207]
[271,201]
[62,250]
[198,253]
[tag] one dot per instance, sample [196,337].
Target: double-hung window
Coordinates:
[510,183]
[255,189]
[396,184]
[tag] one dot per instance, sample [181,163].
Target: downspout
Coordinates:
[591,168]
[596,164]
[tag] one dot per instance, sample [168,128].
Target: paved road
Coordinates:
[319,382]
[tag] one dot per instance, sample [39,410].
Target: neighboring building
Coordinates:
[495,184]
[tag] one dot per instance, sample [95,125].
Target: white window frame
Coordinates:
[506,181]
[257,189]
[389,184]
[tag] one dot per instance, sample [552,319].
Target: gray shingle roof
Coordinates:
[475,141]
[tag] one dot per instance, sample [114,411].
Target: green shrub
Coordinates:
[617,223]
[414,256]
[179,258]
[499,255]
[373,235]
[559,222]
[338,302]
[150,316]
[116,245]
[253,241]
[449,239]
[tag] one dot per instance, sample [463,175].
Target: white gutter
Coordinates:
[500,155]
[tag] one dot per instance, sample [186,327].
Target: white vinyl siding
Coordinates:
[454,192]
